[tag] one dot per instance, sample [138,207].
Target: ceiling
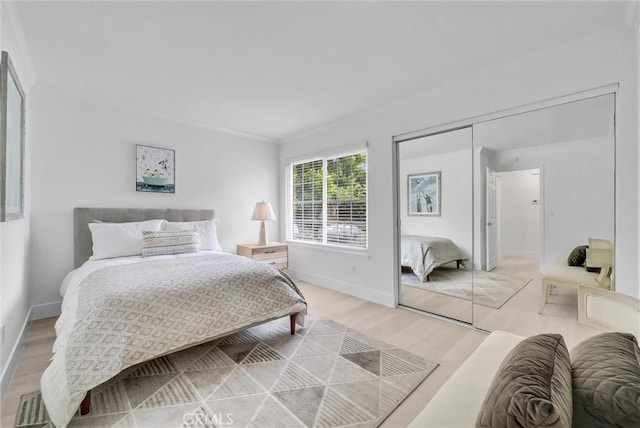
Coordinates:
[274,69]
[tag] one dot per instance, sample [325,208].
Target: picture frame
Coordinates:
[424,194]
[12,140]
[155,169]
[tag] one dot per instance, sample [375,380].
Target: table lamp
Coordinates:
[262,212]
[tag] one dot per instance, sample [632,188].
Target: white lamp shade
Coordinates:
[263,211]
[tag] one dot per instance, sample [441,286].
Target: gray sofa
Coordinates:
[461,398]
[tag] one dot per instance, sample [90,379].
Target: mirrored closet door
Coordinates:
[484,209]
[436,221]
[544,185]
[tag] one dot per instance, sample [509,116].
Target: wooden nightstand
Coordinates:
[274,253]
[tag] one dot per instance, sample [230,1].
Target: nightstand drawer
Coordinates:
[279,262]
[275,254]
[282,249]
[266,255]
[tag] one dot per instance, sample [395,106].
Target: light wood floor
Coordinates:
[443,342]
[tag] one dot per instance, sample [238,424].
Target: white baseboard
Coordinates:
[46,310]
[344,287]
[14,357]
[36,312]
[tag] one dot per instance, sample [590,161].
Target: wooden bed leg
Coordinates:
[457,264]
[85,406]
[293,323]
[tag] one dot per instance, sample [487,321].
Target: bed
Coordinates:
[422,254]
[120,311]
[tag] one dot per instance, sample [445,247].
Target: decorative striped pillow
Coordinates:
[164,242]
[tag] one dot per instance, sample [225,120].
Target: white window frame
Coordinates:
[289,203]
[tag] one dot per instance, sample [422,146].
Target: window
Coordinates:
[329,200]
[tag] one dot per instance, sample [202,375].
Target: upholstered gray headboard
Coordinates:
[83,216]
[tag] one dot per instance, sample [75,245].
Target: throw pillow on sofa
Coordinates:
[578,256]
[532,387]
[606,381]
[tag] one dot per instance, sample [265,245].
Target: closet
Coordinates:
[515,191]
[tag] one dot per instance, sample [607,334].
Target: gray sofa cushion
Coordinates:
[532,387]
[606,381]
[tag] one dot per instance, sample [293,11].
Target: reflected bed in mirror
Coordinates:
[436,221]
[422,254]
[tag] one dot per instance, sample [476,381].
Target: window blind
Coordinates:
[308,204]
[329,200]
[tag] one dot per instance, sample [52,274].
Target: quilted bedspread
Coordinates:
[123,315]
[424,253]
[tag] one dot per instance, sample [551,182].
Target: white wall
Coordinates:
[455,221]
[84,155]
[14,235]
[602,58]
[519,216]
[578,199]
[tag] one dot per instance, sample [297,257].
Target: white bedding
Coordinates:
[425,253]
[73,279]
[211,295]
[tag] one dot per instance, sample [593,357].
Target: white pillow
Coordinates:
[119,239]
[205,228]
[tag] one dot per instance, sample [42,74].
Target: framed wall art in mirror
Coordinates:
[12,129]
[423,194]
[155,169]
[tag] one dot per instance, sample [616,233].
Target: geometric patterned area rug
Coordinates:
[489,288]
[326,375]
